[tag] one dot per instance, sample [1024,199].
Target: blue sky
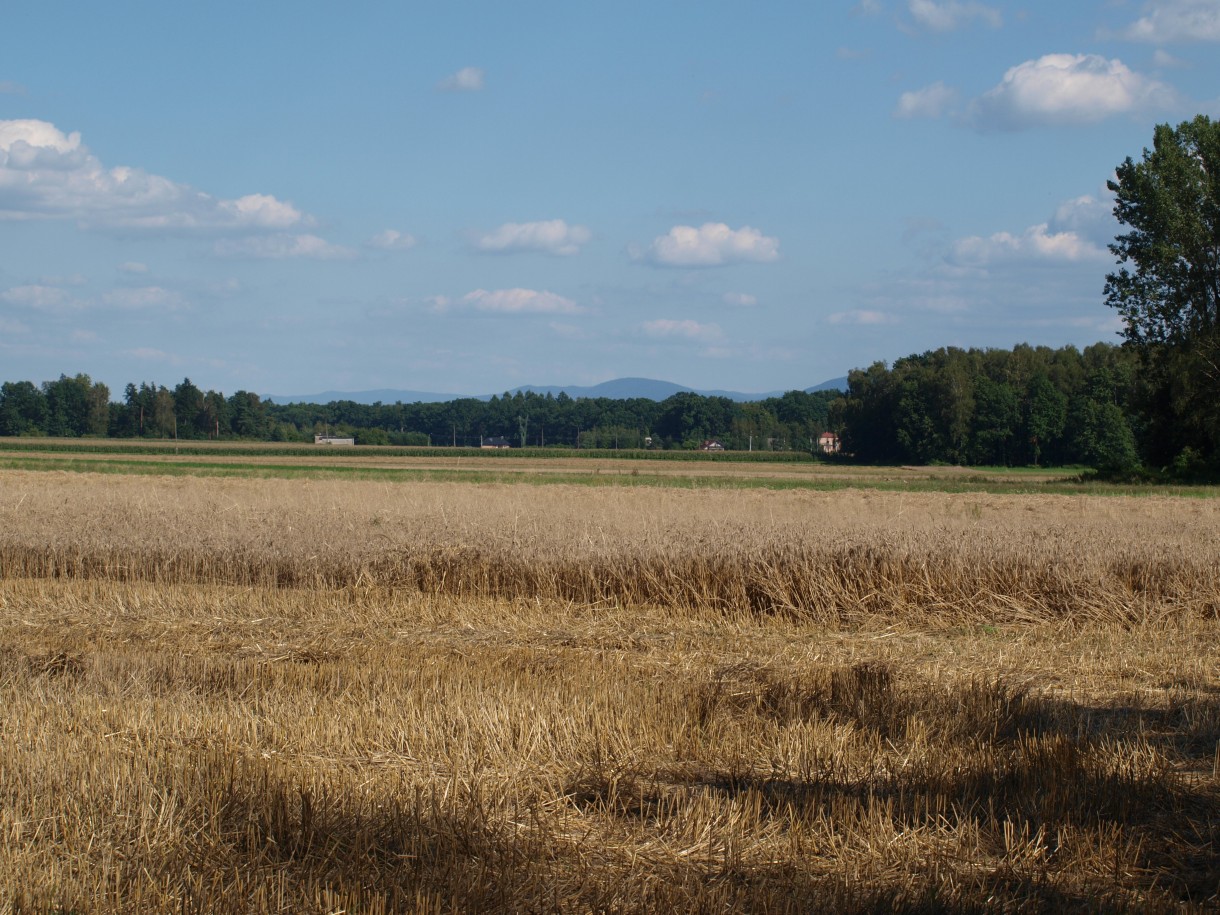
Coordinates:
[469,196]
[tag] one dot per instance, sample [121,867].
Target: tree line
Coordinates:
[1027,405]
[78,406]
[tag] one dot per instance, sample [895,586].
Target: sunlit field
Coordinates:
[305,694]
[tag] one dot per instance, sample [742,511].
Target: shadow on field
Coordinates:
[429,852]
[1021,769]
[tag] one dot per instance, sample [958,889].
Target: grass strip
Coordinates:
[244,449]
[596,479]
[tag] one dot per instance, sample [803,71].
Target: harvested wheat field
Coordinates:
[227,695]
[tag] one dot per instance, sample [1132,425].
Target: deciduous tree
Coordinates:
[1167,287]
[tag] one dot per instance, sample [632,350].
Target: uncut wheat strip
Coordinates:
[592,519]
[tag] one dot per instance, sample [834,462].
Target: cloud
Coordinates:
[520,301]
[862,316]
[53,299]
[868,8]
[70,279]
[1165,60]
[149,354]
[1170,21]
[8,87]
[8,326]
[467,79]
[140,297]
[41,298]
[1088,216]
[133,267]
[713,244]
[951,14]
[568,331]
[1066,89]
[929,102]
[1037,243]
[283,247]
[553,236]
[392,240]
[263,211]
[1078,232]
[668,328]
[740,299]
[47,174]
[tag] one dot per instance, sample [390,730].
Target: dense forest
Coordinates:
[998,407]
[1028,405]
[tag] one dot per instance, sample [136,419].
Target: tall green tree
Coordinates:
[1045,415]
[1167,287]
[23,409]
[70,410]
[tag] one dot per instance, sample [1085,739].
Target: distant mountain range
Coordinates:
[618,389]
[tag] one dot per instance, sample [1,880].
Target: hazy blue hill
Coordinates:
[618,389]
[383,395]
[834,384]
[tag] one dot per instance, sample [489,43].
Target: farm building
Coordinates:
[495,441]
[332,440]
[828,443]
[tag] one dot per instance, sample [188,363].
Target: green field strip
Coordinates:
[596,478]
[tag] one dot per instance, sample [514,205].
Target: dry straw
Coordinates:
[229,696]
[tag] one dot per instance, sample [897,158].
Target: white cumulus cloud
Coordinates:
[467,79]
[929,102]
[864,316]
[262,211]
[1066,89]
[1037,243]
[740,299]
[1089,217]
[948,15]
[139,297]
[133,267]
[393,240]
[1171,21]
[150,354]
[687,329]
[1077,232]
[13,327]
[520,301]
[1165,60]
[283,247]
[46,173]
[552,236]
[38,297]
[712,244]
